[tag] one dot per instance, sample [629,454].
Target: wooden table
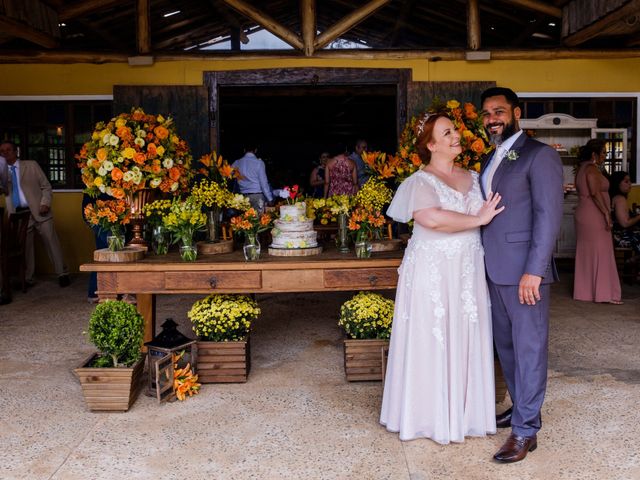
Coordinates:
[229,273]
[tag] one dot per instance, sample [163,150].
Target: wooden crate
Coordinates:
[363,359]
[223,362]
[110,389]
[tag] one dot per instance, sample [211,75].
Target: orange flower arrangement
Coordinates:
[363,223]
[252,223]
[109,215]
[185,382]
[217,169]
[134,151]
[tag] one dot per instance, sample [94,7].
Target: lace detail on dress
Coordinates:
[453,200]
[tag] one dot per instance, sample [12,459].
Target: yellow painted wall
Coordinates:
[602,75]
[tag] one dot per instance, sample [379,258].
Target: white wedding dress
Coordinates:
[439,382]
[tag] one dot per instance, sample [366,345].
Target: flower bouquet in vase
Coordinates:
[154,214]
[184,219]
[109,216]
[366,320]
[212,190]
[222,324]
[251,224]
[363,223]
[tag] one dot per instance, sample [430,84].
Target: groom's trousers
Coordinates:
[521,335]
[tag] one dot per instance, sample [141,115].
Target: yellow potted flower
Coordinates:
[184,219]
[222,324]
[366,320]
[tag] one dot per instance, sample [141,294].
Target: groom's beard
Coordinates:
[507,130]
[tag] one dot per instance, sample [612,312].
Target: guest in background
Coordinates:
[33,192]
[316,179]
[341,176]
[356,157]
[626,228]
[100,237]
[596,278]
[4,176]
[253,181]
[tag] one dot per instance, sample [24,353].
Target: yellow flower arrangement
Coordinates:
[223,318]
[326,210]
[184,219]
[373,195]
[367,315]
[155,211]
[211,194]
[133,151]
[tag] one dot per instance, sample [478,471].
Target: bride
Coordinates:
[439,382]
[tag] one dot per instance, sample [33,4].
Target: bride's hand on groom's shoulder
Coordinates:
[490,208]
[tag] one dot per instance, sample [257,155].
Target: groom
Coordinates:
[518,246]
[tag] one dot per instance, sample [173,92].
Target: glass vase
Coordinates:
[160,240]
[115,242]
[342,237]
[188,253]
[363,249]
[251,247]
[213,225]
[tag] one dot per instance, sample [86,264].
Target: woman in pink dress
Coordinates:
[596,277]
[341,176]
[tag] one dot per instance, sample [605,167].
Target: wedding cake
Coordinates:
[293,230]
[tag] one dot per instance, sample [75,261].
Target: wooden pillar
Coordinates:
[473,25]
[308,15]
[143,31]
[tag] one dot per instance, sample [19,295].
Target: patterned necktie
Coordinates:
[15,189]
[495,163]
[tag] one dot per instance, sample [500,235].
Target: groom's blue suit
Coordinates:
[521,240]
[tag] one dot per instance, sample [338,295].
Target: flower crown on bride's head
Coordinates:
[422,121]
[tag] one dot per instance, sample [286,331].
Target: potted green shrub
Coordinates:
[366,320]
[222,324]
[111,379]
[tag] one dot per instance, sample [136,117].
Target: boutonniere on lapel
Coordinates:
[511,155]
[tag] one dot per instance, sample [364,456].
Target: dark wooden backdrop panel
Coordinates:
[188,105]
[420,95]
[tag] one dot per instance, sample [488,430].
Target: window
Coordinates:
[51,133]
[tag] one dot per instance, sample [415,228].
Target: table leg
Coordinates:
[147,308]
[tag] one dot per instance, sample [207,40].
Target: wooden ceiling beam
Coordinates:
[143,27]
[308,16]
[84,7]
[348,22]
[473,25]
[267,22]
[15,28]
[536,6]
[595,28]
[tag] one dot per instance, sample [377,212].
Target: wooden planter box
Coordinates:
[363,359]
[110,389]
[223,362]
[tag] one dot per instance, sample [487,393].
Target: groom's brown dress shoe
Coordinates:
[504,419]
[516,448]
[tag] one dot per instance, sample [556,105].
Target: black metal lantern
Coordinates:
[160,353]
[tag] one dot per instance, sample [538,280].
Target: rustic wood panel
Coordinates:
[420,95]
[285,280]
[213,280]
[361,278]
[363,359]
[223,362]
[188,105]
[128,283]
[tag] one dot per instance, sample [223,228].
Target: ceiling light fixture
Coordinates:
[552,24]
[171,13]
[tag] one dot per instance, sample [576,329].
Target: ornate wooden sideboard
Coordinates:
[229,273]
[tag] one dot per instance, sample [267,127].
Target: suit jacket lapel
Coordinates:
[517,146]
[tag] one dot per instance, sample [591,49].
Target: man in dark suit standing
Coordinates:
[518,248]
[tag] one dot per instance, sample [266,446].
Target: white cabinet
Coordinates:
[566,134]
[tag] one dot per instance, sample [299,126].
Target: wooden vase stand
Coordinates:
[110,389]
[130,253]
[295,252]
[386,245]
[214,248]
